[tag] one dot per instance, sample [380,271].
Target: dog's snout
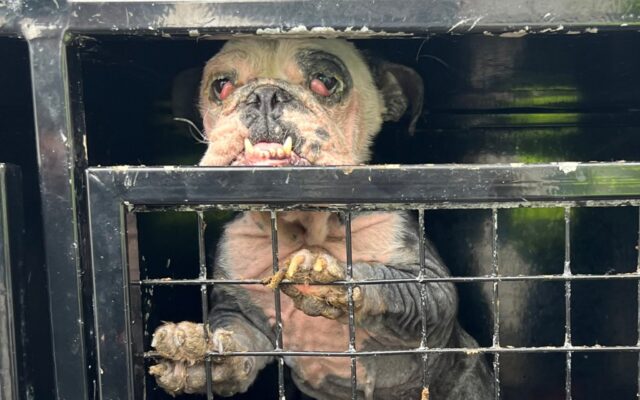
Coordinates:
[269,99]
[262,112]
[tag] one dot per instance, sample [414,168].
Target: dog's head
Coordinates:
[299,102]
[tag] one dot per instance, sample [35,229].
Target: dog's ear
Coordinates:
[402,90]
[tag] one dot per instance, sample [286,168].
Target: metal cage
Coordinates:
[89,214]
[116,195]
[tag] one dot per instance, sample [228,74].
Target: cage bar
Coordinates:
[638,322]
[456,279]
[617,201]
[567,300]
[442,186]
[383,16]
[495,301]
[178,17]
[137,318]
[204,298]
[352,323]
[424,344]
[276,297]
[61,162]
[433,350]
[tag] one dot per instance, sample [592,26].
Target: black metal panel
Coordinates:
[58,157]
[10,261]
[112,327]
[358,17]
[442,185]
[18,147]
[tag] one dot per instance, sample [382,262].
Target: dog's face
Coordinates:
[298,102]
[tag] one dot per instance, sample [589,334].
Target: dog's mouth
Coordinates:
[269,154]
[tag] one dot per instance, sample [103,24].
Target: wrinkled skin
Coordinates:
[315,102]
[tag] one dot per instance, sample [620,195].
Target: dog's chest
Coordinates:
[246,253]
[246,250]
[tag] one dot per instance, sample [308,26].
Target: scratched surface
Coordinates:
[32,18]
[17,146]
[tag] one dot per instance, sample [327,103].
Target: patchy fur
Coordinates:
[272,115]
[352,126]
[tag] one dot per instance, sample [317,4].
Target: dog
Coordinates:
[320,102]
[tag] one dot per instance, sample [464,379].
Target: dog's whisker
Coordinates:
[437,59]
[420,49]
[200,136]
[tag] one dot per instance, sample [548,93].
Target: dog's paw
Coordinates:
[307,268]
[177,377]
[184,347]
[184,341]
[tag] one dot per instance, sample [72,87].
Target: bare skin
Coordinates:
[315,102]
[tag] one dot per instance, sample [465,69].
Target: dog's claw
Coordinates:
[306,267]
[320,264]
[274,280]
[294,264]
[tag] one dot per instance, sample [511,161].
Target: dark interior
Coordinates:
[31,298]
[534,99]
[489,99]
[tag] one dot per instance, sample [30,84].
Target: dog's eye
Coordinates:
[222,88]
[323,85]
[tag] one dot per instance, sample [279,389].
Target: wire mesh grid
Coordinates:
[496,349]
[117,197]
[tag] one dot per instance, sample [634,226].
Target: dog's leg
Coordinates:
[184,346]
[389,309]
[391,312]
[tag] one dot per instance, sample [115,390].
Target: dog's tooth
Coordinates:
[272,153]
[280,153]
[287,146]
[248,147]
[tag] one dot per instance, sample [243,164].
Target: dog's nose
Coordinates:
[268,99]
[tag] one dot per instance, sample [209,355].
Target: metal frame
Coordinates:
[11,226]
[50,26]
[355,17]
[116,193]
[61,161]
